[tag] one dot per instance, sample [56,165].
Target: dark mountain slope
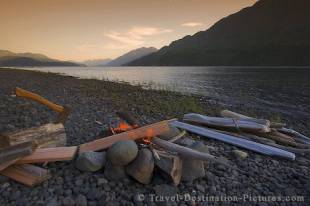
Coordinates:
[271,32]
[131,56]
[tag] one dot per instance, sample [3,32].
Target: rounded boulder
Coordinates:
[122,153]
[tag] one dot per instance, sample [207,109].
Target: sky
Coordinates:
[96,29]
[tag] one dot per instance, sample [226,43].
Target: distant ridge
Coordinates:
[96,62]
[11,59]
[270,33]
[131,56]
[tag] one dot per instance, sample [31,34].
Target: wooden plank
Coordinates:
[146,131]
[50,155]
[26,174]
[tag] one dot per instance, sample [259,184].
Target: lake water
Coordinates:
[284,88]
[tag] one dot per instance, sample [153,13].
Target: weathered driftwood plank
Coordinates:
[16,151]
[145,131]
[27,174]
[50,155]
[48,135]
[243,143]
[226,123]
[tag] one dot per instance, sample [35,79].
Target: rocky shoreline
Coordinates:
[94,100]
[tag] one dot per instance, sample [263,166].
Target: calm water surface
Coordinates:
[283,88]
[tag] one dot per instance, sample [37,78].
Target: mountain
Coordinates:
[271,32]
[11,59]
[131,56]
[96,62]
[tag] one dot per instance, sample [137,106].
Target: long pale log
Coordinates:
[227,123]
[50,155]
[48,135]
[285,141]
[243,143]
[186,152]
[266,141]
[27,174]
[146,131]
[16,151]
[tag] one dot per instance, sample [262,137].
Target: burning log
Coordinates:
[48,135]
[142,132]
[141,169]
[27,174]
[170,166]
[226,123]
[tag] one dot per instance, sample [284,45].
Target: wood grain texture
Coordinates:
[26,174]
[50,155]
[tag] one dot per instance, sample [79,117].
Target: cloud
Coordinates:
[136,35]
[192,24]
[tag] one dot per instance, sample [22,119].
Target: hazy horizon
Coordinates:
[80,30]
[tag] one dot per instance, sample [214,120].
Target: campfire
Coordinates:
[140,151]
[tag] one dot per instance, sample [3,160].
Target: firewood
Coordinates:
[27,174]
[4,165]
[13,152]
[4,141]
[50,155]
[170,166]
[226,123]
[146,131]
[48,135]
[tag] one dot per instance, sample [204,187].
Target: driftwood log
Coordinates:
[187,152]
[247,144]
[170,166]
[226,123]
[48,135]
[230,114]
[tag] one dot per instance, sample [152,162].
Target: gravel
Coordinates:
[93,100]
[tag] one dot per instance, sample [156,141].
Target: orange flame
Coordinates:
[123,127]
